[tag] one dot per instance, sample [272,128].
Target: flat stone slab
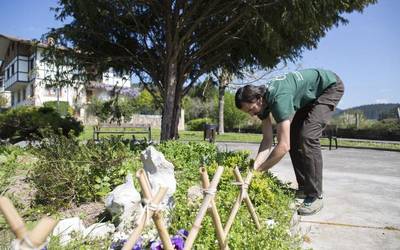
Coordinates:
[361,198]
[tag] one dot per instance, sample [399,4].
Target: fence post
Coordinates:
[210,193]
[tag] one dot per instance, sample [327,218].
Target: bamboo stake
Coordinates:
[158,220]
[203,209]
[249,204]
[39,234]
[213,211]
[242,196]
[13,218]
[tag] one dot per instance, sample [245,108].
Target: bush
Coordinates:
[197,124]
[68,172]
[62,107]
[30,123]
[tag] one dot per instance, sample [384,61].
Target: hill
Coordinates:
[374,111]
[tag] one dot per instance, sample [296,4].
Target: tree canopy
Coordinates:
[169,44]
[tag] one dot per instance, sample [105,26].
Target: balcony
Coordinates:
[16,73]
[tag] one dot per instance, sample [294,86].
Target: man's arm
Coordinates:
[283,146]
[266,142]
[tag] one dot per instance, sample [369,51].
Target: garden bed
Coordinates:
[68,175]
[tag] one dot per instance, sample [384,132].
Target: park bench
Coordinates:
[330,132]
[123,129]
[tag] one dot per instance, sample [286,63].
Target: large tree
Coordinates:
[169,44]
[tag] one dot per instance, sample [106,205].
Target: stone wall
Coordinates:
[137,119]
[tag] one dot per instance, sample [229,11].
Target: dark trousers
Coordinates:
[306,129]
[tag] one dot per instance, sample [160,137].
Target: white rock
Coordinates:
[160,173]
[124,204]
[65,228]
[123,199]
[99,230]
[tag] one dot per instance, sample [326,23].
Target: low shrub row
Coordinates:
[31,123]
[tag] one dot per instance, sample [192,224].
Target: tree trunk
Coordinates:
[221,103]
[167,120]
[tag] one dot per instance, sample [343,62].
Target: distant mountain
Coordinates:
[374,111]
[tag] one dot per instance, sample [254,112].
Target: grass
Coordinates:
[256,138]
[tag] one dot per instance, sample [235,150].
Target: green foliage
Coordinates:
[3,100]
[233,117]
[62,107]
[27,123]
[146,104]
[270,197]
[197,124]
[68,172]
[197,108]
[114,109]
[9,164]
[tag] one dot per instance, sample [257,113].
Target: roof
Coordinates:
[6,39]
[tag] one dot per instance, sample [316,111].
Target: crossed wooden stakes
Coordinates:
[210,206]
[153,210]
[27,239]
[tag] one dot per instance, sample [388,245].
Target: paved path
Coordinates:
[361,199]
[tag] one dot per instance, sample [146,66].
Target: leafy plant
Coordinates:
[198,124]
[28,123]
[68,172]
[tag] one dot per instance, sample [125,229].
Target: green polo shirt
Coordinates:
[289,92]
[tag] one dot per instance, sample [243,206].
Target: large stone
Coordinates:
[66,228]
[123,198]
[99,230]
[124,204]
[160,173]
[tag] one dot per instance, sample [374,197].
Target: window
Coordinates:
[23,93]
[12,69]
[8,73]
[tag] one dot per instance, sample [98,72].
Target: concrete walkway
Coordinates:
[361,199]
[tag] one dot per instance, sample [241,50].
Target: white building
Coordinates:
[22,72]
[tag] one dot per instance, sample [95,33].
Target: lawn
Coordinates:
[256,138]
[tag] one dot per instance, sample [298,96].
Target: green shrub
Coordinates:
[62,107]
[68,172]
[29,123]
[197,124]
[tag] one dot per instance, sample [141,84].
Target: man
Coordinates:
[302,103]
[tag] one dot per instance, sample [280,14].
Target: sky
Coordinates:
[365,53]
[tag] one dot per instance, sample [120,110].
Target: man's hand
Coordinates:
[283,146]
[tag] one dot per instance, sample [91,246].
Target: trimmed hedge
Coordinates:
[62,107]
[31,123]
[197,124]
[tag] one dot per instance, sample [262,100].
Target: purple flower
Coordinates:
[178,242]
[119,244]
[183,233]
[156,245]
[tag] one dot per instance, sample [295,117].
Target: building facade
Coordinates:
[22,74]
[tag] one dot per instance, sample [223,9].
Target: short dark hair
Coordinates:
[248,93]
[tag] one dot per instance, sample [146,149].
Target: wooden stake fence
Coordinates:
[28,240]
[152,210]
[210,206]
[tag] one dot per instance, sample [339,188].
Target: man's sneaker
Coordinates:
[300,194]
[311,205]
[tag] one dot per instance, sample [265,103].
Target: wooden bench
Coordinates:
[330,132]
[123,129]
